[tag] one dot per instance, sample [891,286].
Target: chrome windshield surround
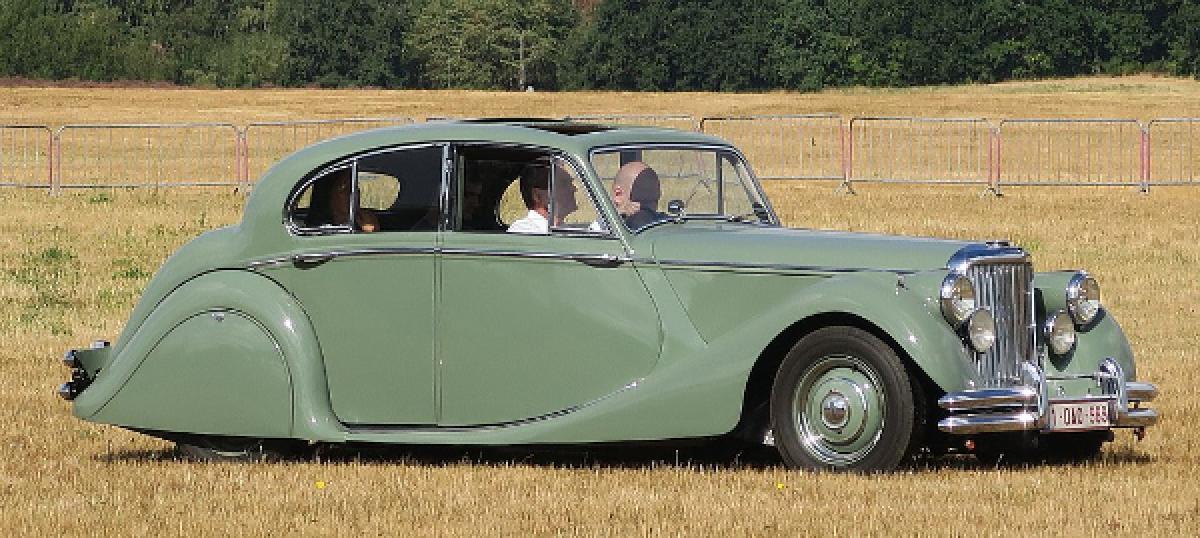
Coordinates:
[758,190]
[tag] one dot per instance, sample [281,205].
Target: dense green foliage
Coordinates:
[610,44]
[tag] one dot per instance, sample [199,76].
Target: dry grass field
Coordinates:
[73,266]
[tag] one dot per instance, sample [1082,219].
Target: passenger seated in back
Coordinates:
[335,189]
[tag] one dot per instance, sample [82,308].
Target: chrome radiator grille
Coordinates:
[1006,289]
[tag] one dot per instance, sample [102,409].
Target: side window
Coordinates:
[400,190]
[324,205]
[511,190]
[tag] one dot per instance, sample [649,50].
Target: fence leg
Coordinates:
[242,166]
[1145,186]
[847,132]
[993,184]
[56,163]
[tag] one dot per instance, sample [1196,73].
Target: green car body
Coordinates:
[674,331]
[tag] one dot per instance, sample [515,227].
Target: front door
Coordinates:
[542,322]
[363,269]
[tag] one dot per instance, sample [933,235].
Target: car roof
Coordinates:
[272,189]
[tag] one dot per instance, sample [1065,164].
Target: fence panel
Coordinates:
[806,146]
[264,143]
[25,155]
[682,122]
[1069,152]
[146,155]
[921,150]
[1175,155]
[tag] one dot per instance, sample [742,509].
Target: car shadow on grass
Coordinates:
[618,456]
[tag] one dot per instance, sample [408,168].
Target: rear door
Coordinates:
[367,282]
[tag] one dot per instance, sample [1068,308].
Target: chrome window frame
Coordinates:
[310,178]
[716,148]
[580,171]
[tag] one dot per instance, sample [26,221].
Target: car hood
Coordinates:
[741,244]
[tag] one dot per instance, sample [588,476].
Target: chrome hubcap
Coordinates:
[835,410]
[838,409]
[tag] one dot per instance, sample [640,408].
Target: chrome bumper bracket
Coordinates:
[1027,407]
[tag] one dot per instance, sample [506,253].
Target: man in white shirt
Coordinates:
[535,190]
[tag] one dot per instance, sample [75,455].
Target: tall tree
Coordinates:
[345,43]
[490,43]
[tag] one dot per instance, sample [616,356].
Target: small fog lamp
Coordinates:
[1083,299]
[981,330]
[958,299]
[1060,333]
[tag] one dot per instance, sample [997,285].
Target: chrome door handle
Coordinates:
[600,260]
[313,259]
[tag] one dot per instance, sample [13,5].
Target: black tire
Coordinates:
[215,448]
[843,401]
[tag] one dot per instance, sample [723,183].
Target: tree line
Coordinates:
[665,45]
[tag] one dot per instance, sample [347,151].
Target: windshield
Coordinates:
[655,184]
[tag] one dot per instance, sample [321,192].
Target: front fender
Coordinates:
[744,310]
[201,362]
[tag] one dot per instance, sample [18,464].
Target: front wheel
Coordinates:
[842,400]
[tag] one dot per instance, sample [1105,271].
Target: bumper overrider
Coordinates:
[79,375]
[1028,407]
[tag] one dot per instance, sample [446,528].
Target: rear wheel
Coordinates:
[218,448]
[842,400]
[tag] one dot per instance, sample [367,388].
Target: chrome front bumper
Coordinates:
[1027,407]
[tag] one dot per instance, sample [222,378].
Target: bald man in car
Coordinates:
[636,190]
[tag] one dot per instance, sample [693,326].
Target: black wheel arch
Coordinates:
[755,414]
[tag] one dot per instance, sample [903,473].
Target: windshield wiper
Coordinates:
[759,213]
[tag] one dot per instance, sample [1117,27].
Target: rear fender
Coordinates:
[223,341]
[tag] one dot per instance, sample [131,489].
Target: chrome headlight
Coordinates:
[981,330]
[1060,333]
[1083,298]
[958,299]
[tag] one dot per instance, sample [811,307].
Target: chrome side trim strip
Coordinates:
[778,267]
[590,258]
[385,429]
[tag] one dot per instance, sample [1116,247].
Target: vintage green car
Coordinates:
[531,282]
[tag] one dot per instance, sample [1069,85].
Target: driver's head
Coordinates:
[636,187]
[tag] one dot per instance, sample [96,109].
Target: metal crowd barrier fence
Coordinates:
[145,155]
[1073,152]
[672,121]
[958,151]
[264,143]
[808,146]
[1175,155]
[26,153]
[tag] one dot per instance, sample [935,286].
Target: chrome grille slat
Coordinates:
[1006,289]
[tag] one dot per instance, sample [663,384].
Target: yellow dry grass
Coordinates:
[73,266]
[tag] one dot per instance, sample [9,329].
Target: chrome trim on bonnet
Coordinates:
[993,253]
[779,267]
